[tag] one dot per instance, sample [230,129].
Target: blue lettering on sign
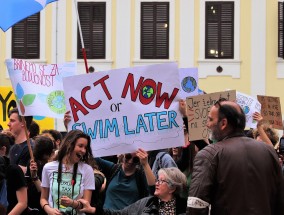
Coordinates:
[145,123]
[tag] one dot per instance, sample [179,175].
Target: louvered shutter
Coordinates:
[219,30]
[26,38]
[93,23]
[280,30]
[154,30]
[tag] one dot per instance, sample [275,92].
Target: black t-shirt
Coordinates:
[15,181]
[19,154]
[33,194]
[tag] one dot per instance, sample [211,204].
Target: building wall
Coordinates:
[256,69]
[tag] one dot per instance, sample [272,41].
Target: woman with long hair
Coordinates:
[69,177]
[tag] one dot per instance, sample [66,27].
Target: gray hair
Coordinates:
[176,179]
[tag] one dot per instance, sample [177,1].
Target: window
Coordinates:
[219,30]
[26,38]
[154,30]
[93,23]
[280,30]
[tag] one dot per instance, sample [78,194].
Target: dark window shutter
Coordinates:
[154,30]
[219,30]
[280,29]
[93,23]
[26,38]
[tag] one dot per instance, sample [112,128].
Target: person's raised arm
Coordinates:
[143,156]
[67,119]
[257,116]
[34,176]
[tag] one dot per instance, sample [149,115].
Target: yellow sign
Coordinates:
[8,101]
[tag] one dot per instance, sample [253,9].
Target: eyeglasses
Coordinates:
[218,102]
[161,181]
[135,159]
[221,108]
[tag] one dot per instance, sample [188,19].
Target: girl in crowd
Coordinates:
[264,131]
[12,177]
[69,178]
[42,151]
[166,200]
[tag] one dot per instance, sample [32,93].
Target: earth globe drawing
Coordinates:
[246,109]
[148,91]
[188,84]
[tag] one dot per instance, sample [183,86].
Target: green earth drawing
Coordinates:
[56,101]
[148,92]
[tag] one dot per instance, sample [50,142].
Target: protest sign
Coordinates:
[38,88]
[8,102]
[126,109]
[271,110]
[198,108]
[188,82]
[249,105]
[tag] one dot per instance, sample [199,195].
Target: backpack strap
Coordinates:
[114,170]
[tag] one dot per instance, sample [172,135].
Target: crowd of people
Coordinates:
[232,172]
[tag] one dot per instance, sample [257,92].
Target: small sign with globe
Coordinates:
[188,84]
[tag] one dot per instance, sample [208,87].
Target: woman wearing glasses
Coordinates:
[128,181]
[166,200]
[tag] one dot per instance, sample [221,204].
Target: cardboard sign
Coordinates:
[38,88]
[249,105]
[8,102]
[198,108]
[271,110]
[126,109]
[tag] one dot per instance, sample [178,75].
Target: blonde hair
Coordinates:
[271,133]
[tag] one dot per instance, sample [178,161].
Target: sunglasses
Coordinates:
[135,159]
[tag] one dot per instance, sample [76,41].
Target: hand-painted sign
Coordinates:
[8,102]
[249,105]
[188,82]
[38,88]
[198,108]
[126,109]
[271,110]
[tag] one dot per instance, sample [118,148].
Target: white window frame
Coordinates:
[280,62]
[99,64]
[137,61]
[231,67]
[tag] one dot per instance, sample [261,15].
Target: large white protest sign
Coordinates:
[126,109]
[249,105]
[189,82]
[38,88]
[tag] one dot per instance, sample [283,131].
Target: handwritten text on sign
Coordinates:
[125,109]
[38,88]
[271,110]
[198,108]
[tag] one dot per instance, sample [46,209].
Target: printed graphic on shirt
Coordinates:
[66,189]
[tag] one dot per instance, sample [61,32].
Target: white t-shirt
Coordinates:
[85,180]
